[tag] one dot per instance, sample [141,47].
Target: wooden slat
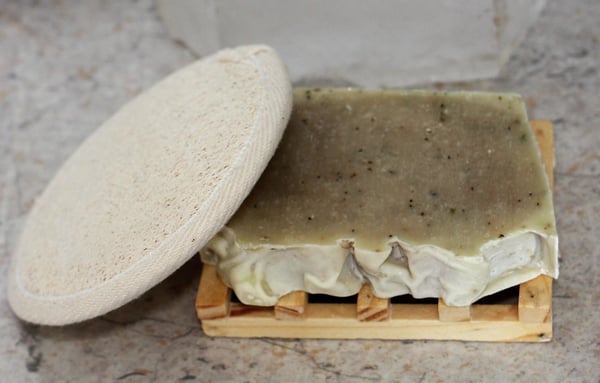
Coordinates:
[452,313]
[414,311]
[535,296]
[535,300]
[291,306]
[545,138]
[369,308]
[213,296]
[494,313]
[338,321]
[237,309]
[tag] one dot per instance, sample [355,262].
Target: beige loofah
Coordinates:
[150,187]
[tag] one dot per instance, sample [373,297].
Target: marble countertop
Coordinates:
[66,66]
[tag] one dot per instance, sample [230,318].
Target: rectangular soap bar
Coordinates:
[435,194]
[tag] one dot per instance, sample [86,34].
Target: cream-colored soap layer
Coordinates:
[261,275]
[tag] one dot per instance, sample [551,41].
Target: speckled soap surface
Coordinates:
[342,148]
[62,75]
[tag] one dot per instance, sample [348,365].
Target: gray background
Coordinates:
[66,66]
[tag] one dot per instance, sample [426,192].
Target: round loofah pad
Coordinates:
[150,187]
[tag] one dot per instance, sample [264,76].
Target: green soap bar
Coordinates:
[433,194]
[454,170]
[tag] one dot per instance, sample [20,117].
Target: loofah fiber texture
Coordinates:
[150,187]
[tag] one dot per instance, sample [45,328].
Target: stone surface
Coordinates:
[67,66]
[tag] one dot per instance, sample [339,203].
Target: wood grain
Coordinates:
[535,300]
[452,313]
[212,300]
[291,306]
[370,308]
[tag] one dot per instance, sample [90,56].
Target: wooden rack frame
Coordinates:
[530,320]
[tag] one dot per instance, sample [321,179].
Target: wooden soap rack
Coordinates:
[530,320]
